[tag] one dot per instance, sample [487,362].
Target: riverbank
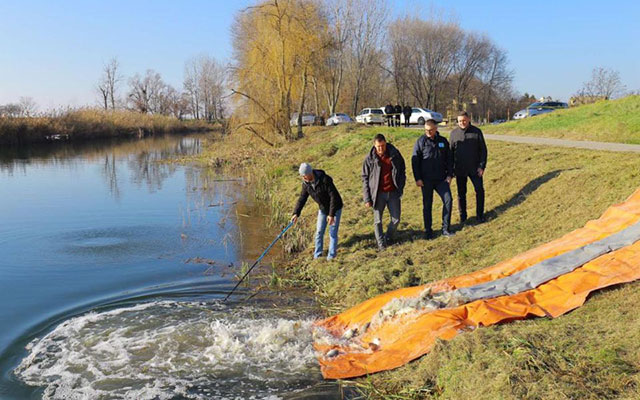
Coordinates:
[534,194]
[91,124]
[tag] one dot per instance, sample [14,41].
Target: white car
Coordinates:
[370,116]
[421,115]
[337,119]
[307,119]
[520,114]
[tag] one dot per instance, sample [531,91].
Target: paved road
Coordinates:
[577,144]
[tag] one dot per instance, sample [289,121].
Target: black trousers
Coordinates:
[443,190]
[406,120]
[461,182]
[397,118]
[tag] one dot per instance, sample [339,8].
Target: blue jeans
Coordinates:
[321,226]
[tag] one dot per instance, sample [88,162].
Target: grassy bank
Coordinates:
[89,124]
[605,121]
[534,194]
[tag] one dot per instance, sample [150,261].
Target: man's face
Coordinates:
[463,122]
[381,147]
[430,129]
[307,178]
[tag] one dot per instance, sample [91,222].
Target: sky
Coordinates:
[53,51]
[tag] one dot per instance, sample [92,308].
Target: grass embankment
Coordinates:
[534,194]
[604,121]
[89,124]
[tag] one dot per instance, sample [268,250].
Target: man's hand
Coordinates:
[480,172]
[331,220]
[294,218]
[368,204]
[419,183]
[448,180]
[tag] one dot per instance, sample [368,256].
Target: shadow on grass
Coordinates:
[409,235]
[523,193]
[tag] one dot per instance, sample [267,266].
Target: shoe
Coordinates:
[481,219]
[428,235]
[463,218]
[447,233]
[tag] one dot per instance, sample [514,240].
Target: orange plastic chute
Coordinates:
[403,338]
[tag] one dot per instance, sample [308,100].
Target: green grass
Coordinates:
[92,123]
[604,121]
[534,194]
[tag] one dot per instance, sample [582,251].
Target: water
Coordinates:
[112,270]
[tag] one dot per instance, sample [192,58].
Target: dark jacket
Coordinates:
[469,150]
[323,191]
[371,173]
[397,109]
[388,109]
[431,159]
[407,111]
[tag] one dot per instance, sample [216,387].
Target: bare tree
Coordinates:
[604,83]
[28,107]
[145,93]
[108,84]
[471,59]
[365,42]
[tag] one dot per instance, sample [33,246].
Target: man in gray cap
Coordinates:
[317,184]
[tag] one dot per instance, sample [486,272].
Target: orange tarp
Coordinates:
[409,336]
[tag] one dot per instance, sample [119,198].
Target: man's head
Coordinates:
[306,172]
[380,143]
[430,127]
[463,120]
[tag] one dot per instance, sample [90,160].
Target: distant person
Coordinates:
[469,161]
[383,179]
[317,184]
[406,110]
[432,166]
[397,110]
[388,114]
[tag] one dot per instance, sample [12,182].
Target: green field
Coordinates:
[605,121]
[534,194]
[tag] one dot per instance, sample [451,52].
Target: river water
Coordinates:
[113,265]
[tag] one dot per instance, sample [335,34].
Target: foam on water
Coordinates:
[164,350]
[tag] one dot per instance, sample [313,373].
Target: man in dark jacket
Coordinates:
[433,170]
[383,179]
[469,160]
[388,114]
[407,115]
[397,110]
[320,187]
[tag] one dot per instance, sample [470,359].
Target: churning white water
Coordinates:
[169,350]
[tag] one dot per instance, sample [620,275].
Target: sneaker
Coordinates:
[447,233]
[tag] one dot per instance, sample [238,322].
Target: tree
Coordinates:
[604,83]
[28,107]
[275,46]
[146,93]
[108,83]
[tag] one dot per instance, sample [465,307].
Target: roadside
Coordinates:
[534,194]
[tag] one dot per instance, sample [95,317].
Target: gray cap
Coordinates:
[305,169]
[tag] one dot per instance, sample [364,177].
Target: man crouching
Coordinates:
[317,184]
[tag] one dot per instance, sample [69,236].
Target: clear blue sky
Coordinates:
[53,51]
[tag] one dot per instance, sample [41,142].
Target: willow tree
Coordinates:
[276,44]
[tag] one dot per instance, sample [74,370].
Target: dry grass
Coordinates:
[534,194]
[92,123]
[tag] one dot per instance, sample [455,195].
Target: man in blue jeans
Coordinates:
[317,184]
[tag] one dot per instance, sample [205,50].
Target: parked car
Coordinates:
[544,107]
[498,121]
[520,114]
[337,119]
[307,119]
[420,115]
[370,116]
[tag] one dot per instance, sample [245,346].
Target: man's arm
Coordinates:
[449,159]
[366,194]
[333,196]
[302,199]
[482,151]
[416,159]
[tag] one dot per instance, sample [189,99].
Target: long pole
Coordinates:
[258,260]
